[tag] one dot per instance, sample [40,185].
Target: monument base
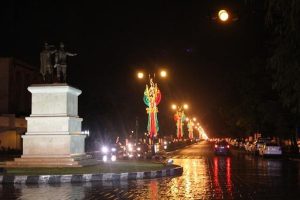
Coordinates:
[53,137]
[57,161]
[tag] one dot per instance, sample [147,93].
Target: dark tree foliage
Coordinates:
[283,20]
[255,107]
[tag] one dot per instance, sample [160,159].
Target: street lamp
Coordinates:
[179,118]
[140,75]
[223,15]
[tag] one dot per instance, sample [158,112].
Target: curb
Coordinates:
[79,178]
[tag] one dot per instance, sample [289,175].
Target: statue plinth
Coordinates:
[53,137]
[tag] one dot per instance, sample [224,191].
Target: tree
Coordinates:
[283,19]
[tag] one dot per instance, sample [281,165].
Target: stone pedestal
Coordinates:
[53,137]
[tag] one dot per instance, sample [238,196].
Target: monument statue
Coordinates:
[61,61]
[45,58]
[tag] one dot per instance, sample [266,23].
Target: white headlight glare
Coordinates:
[113,149]
[113,158]
[104,158]
[104,149]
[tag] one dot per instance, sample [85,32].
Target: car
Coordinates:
[109,152]
[221,148]
[270,149]
[259,144]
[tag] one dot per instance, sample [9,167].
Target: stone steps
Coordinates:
[51,162]
[40,164]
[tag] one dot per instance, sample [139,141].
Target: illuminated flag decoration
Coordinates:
[152,97]
[190,128]
[179,118]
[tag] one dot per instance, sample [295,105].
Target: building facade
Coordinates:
[15,100]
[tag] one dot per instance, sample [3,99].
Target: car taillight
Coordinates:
[228,146]
[216,146]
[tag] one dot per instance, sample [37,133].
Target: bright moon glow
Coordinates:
[140,75]
[163,73]
[223,15]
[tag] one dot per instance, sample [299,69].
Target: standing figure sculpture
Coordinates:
[61,62]
[46,68]
[152,97]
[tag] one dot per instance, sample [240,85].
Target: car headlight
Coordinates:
[113,158]
[104,158]
[104,149]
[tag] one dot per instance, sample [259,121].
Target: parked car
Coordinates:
[270,149]
[259,144]
[221,148]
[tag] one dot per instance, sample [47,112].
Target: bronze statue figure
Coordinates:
[61,62]
[46,68]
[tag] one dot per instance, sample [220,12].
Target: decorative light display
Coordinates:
[190,129]
[179,118]
[152,97]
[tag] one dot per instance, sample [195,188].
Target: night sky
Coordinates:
[115,39]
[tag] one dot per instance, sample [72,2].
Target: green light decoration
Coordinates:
[152,97]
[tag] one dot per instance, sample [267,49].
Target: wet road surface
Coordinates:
[205,176]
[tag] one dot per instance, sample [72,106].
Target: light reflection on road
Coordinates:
[195,181]
[205,177]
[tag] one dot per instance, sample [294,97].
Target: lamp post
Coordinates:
[179,118]
[152,97]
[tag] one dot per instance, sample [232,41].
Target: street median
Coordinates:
[114,171]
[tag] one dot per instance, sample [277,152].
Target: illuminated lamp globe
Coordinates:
[174,107]
[223,15]
[185,106]
[163,74]
[140,75]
